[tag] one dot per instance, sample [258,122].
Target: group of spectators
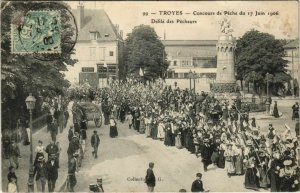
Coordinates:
[218,130]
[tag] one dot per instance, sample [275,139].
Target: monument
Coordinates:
[225,79]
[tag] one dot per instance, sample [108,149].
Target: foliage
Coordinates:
[144,50]
[40,75]
[260,53]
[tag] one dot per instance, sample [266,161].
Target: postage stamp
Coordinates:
[37,32]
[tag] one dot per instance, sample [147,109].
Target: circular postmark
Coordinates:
[46,31]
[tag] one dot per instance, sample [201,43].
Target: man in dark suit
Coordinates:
[52,167]
[71,133]
[54,130]
[150,177]
[197,185]
[72,168]
[53,148]
[41,172]
[206,153]
[95,142]
[73,147]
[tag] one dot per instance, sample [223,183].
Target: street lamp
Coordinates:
[253,95]
[190,76]
[267,101]
[194,77]
[30,103]
[105,66]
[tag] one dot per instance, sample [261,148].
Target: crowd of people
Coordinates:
[217,130]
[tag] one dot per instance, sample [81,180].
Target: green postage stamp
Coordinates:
[37,32]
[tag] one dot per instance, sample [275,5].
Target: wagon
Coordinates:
[92,112]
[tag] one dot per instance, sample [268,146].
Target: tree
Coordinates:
[39,74]
[261,53]
[144,50]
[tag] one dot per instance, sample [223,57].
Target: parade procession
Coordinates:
[205,106]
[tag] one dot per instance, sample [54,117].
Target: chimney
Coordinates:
[80,15]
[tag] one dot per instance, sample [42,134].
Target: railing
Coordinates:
[39,122]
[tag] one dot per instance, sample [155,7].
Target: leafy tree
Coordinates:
[260,53]
[144,50]
[39,74]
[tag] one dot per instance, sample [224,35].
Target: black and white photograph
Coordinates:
[150,96]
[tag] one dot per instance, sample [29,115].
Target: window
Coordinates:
[185,63]
[111,53]
[94,35]
[93,52]
[87,69]
[175,63]
[106,35]
[101,53]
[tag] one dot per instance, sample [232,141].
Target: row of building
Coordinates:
[100,45]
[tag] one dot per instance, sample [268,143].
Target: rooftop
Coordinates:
[189,42]
[96,21]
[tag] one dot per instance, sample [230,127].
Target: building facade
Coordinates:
[292,56]
[98,48]
[196,56]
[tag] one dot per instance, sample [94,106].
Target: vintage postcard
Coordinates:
[150,96]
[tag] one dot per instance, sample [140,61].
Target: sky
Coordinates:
[283,25]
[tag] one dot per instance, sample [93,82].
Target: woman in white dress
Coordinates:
[161,131]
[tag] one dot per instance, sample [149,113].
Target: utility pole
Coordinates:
[293,86]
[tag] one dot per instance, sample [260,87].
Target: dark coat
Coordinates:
[95,140]
[206,152]
[49,119]
[54,127]
[52,170]
[39,170]
[70,135]
[73,146]
[197,186]
[150,178]
[52,149]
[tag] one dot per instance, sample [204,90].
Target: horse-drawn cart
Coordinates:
[90,112]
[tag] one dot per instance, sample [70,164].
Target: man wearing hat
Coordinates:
[271,135]
[41,172]
[52,148]
[52,166]
[71,133]
[95,142]
[14,154]
[99,187]
[73,147]
[206,153]
[71,172]
[197,185]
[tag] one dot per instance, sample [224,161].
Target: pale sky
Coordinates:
[130,14]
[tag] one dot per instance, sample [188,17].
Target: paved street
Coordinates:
[123,161]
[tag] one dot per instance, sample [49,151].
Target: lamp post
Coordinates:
[253,95]
[267,101]
[194,77]
[190,76]
[30,103]
[105,66]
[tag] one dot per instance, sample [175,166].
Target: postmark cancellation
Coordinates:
[37,32]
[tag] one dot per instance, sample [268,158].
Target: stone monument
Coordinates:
[225,79]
